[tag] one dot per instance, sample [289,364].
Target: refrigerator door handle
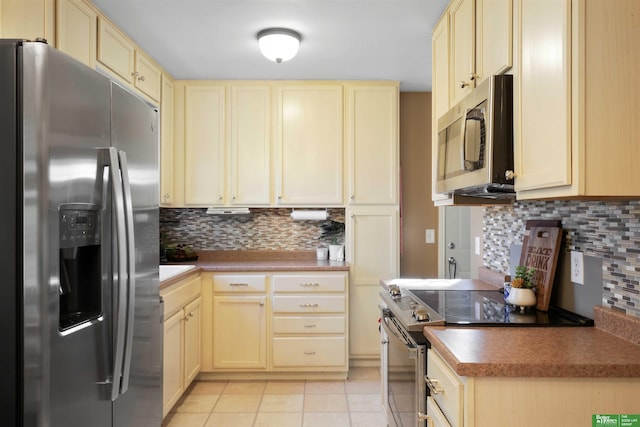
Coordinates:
[131,270]
[120,317]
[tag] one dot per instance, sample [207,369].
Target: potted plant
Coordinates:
[333,233]
[522,285]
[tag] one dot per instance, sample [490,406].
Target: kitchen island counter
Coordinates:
[541,352]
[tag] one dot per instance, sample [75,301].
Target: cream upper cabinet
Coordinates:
[28,19]
[544,149]
[121,57]
[494,37]
[373,253]
[439,96]
[462,21]
[576,128]
[116,51]
[76,30]
[372,141]
[249,145]
[204,144]
[166,142]
[309,139]
[481,43]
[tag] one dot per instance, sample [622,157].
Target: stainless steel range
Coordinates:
[408,305]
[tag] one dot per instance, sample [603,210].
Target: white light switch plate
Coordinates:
[477,248]
[430,235]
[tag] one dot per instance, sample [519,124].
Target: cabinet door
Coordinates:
[204,169]
[239,332]
[372,138]
[28,19]
[372,251]
[192,341]
[310,145]
[543,144]
[494,37]
[462,15]
[115,51]
[77,30]
[439,96]
[147,76]
[166,142]
[172,371]
[250,145]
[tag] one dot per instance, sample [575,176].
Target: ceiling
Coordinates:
[341,39]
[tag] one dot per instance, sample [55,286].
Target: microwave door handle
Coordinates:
[463,135]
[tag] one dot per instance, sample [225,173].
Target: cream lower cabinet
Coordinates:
[309,322]
[373,252]
[275,324]
[576,124]
[489,401]
[182,338]
[239,333]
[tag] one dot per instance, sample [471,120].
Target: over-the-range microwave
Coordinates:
[475,142]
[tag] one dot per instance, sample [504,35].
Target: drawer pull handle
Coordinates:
[310,353]
[309,284]
[308,305]
[433,386]
[238,284]
[423,417]
[309,326]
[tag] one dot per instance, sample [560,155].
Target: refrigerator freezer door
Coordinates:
[135,133]
[67,296]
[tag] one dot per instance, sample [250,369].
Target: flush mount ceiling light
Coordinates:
[279,44]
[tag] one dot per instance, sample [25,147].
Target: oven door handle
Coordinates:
[396,333]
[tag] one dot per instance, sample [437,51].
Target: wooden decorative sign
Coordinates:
[540,250]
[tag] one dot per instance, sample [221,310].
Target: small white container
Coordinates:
[322,253]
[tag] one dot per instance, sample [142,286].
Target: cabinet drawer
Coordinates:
[323,351]
[309,304]
[436,417]
[239,283]
[309,283]
[450,389]
[308,325]
[177,296]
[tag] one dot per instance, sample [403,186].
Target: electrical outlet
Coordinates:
[577,267]
[477,248]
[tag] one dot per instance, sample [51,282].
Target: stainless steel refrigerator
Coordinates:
[81,336]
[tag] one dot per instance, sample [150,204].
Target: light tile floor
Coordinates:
[355,402]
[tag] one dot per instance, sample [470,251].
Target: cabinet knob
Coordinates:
[166,197]
[233,197]
[134,74]
[463,84]
[353,196]
[472,76]
[509,175]
[219,197]
[279,197]
[261,304]
[141,78]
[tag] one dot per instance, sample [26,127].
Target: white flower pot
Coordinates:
[522,297]
[336,252]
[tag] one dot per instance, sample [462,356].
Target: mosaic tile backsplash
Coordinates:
[262,229]
[606,229]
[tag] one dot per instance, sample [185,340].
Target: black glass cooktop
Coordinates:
[476,308]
